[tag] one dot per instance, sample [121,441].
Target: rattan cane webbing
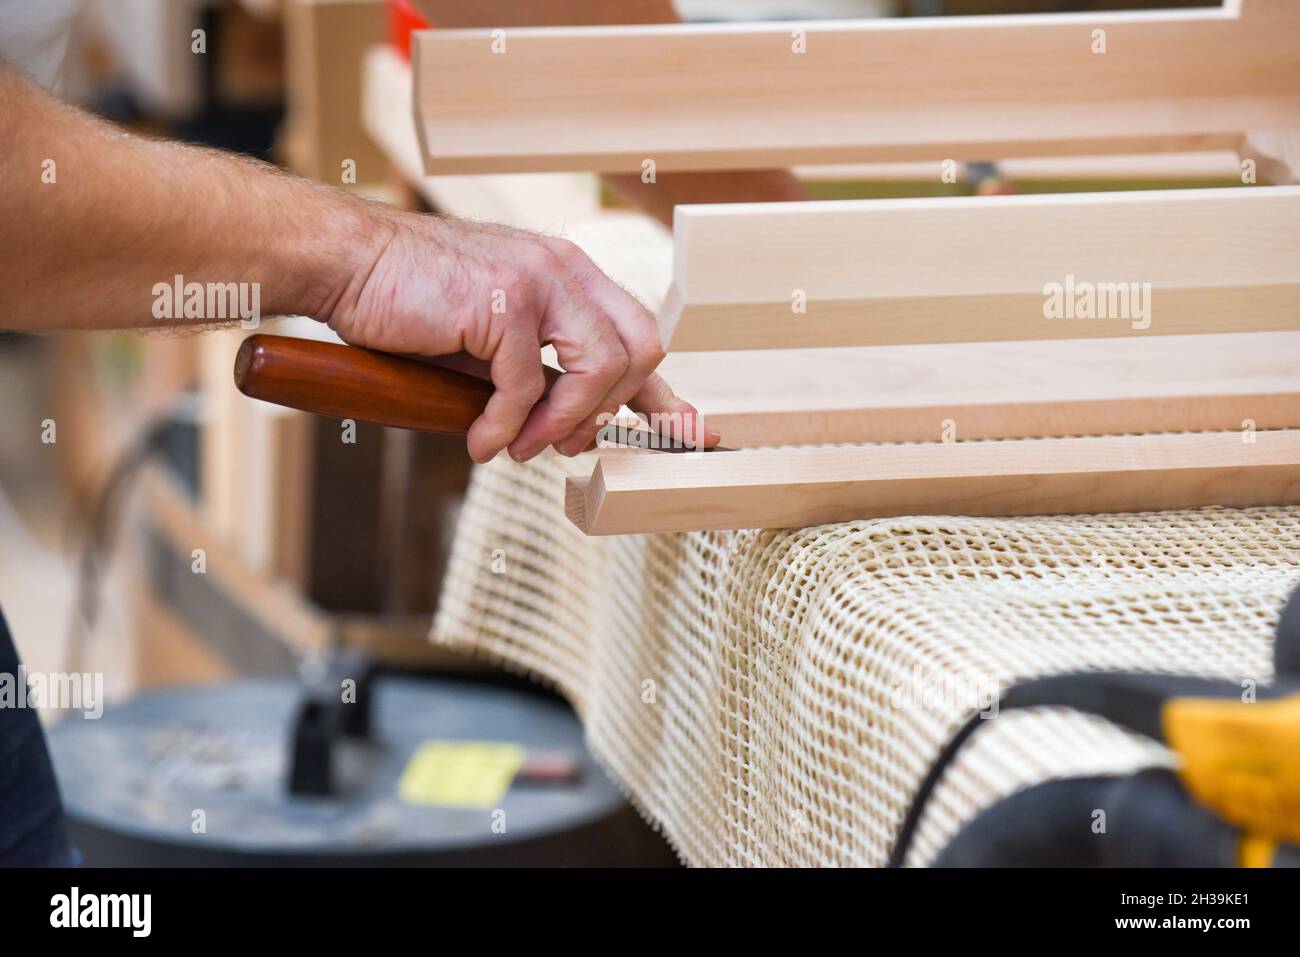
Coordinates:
[750,690]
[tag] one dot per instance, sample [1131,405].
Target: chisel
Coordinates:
[348,382]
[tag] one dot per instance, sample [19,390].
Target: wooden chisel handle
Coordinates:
[351,383]
[348,382]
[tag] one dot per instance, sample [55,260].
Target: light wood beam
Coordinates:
[965,269]
[728,96]
[642,491]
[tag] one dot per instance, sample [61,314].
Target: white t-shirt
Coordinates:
[34,36]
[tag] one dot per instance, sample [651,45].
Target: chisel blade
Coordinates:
[630,437]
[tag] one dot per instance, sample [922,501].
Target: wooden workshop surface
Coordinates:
[607,98]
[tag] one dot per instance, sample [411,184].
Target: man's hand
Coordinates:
[432,286]
[87,248]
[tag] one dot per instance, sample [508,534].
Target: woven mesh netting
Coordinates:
[775,697]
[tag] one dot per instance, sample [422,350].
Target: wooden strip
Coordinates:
[1217,407]
[885,272]
[725,96]
[993,390]
[631,492]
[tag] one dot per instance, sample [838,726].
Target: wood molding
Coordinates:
[965,269]
[728,96]
[636,491]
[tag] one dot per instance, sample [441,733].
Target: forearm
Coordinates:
[92,220]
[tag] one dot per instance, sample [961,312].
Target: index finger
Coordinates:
[672,416]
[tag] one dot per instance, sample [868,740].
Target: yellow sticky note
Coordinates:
[460,773]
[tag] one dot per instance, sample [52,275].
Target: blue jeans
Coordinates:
[32,832]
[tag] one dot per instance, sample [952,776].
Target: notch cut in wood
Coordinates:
[734,96]
[997,268]
[631,492]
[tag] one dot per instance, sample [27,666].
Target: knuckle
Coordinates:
[511,280]
[612,365]
[533,389]
[570,253]
[649,353]
[541,259]
[658,351]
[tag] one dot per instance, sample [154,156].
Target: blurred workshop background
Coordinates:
[161,529]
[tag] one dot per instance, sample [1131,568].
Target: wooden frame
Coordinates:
[888,272]
[740,96]
[632,491]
